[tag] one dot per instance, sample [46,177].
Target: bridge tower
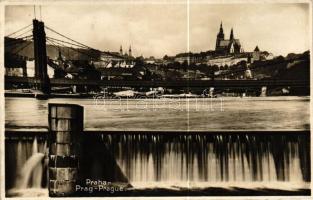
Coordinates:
[40,55]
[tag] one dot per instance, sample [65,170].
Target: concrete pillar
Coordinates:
[65,131]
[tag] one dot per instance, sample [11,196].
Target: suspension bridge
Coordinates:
[35,34]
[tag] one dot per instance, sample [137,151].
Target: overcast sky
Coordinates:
[278,28]
[159,29]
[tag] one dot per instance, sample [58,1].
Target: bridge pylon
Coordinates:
[40,55]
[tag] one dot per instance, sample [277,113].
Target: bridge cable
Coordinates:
[70,38]
[57,47]
[79,42]
[19,30]
[22,48]
[12,47]
[65,42]
[54,46]
[16,37]
[58,43]
[34,11]
[75,49]
[16,41]
[40,12]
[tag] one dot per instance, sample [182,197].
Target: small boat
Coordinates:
[124,94]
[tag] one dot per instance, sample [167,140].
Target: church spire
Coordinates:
[231,34]
[130,51]
[121,50]
[220,37]
[220,34]
[221,27]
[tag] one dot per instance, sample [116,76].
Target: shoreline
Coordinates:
[98,96]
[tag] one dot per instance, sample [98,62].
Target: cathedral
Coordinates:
[231,46]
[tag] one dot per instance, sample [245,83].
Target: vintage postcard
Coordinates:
[169,99]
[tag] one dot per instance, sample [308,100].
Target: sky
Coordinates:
[277,28]
[159,29]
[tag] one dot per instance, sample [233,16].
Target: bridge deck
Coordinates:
[176,83]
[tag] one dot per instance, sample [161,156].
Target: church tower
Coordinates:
[121,50]
[220,37]
[231,37]
[130,51]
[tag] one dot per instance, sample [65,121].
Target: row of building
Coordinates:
[227,52]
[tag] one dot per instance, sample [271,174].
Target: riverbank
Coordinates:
[53,95]
[101,96]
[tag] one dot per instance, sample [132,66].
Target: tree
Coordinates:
[215,68]
[185,65]
[176,65]
[147,75]
[139,63]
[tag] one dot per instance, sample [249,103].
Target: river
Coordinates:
[201,114]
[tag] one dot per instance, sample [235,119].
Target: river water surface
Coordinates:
[229,113]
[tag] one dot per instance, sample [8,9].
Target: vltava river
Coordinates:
[227,113]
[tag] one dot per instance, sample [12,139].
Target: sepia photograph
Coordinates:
[156,99]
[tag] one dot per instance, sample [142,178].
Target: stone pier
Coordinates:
[65,133]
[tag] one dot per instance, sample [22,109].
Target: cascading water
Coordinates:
[175,161]
[31,173]
[211,159]
[28,168]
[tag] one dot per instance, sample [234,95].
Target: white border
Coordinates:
[82,2]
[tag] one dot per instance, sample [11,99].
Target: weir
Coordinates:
[149,159]
[26,167]
[233,157]
[182,158]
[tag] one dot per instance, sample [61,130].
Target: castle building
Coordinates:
[230,46]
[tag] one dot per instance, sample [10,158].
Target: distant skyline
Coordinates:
[277,28]
[159,29]
[150,29]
